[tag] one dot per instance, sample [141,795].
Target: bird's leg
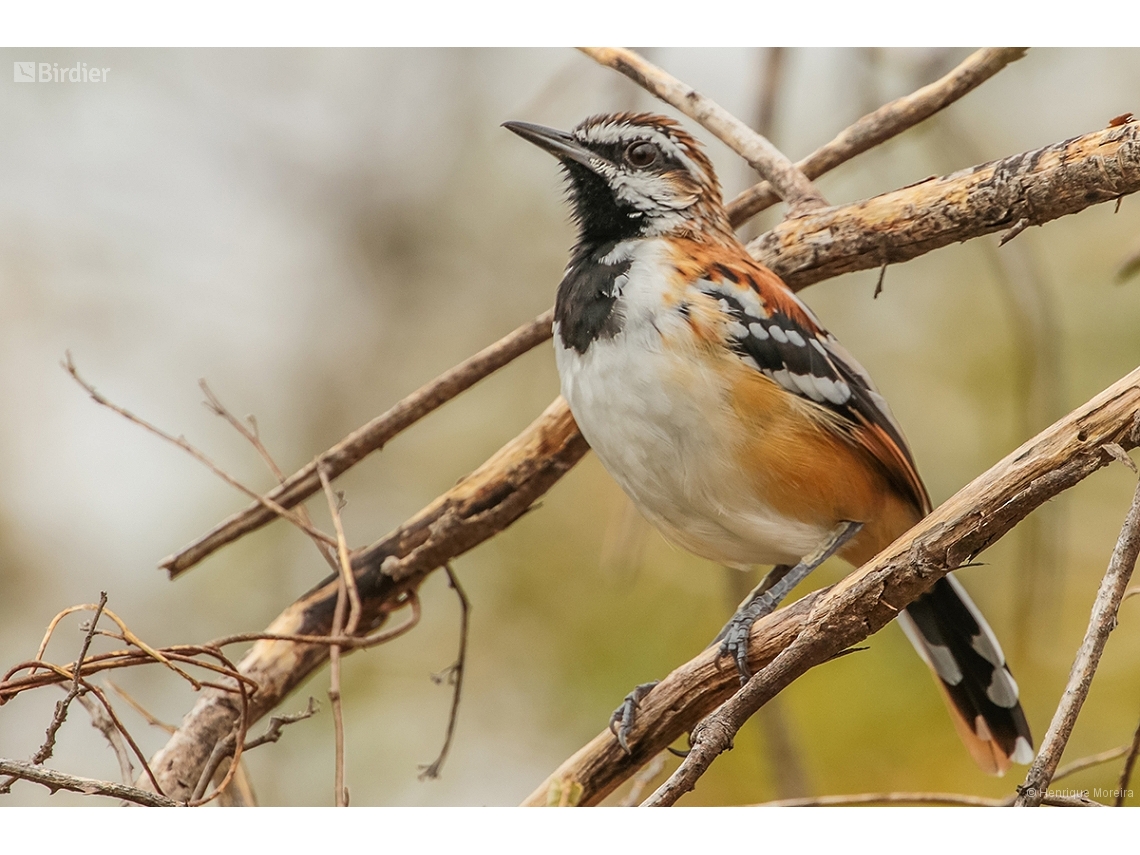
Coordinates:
[768,594]
[734,637]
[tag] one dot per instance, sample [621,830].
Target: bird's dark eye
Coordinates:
[641,154]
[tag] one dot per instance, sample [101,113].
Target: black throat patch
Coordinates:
[585,307]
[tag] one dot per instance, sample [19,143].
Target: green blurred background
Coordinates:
[318,232]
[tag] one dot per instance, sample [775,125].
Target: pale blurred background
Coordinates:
[318,232]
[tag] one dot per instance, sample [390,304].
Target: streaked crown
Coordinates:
[635,175]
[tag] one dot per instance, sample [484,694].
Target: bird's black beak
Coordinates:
[559,143]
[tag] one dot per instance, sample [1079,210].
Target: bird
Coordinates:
[737,424]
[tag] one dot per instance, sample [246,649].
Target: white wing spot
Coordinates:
[806,384]
[758,331]
[778,334]
[795,338]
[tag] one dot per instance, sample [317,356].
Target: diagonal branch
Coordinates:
[1102,621]
[816,628]
[364,440]
[773,165]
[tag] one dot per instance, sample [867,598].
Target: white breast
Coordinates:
[659,418]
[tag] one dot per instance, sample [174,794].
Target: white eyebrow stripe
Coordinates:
[611,132]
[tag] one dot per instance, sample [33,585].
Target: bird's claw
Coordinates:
[621,722]
[734,643]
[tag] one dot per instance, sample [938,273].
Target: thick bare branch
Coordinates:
[823,624]
[1034,187]
[1101,623]
[888,121]
[772,164]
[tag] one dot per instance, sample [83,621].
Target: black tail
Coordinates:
[954,639]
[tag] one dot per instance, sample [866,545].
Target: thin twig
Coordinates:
[88,786]
[47,674]
[885,799]
[241,728]
[453,675]
[366,439]
[102,723]
[60,716]
[278,723]
[793,186]
[344,564]
[346,592]
[140,709]
[1088,762]
[98,693]
[1101,622]
[643,779]
[186,653]
[127,637]
[1126,772]
[882,124]
[224,748]
[249,431]
[346,642]
[181,442]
